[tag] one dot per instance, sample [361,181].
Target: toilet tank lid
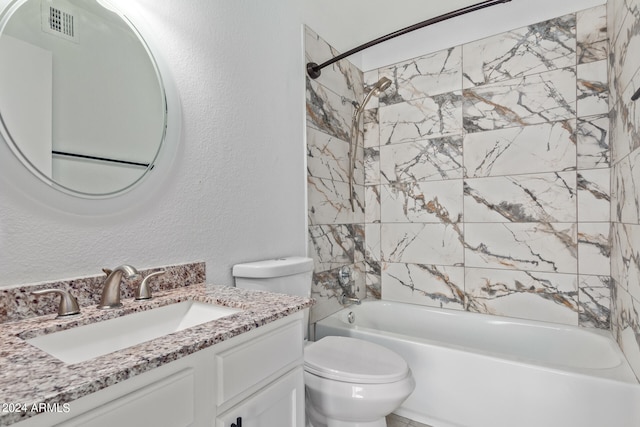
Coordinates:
[273,267]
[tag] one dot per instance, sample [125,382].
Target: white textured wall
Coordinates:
[237,186]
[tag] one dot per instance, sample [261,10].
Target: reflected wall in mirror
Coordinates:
[82,103]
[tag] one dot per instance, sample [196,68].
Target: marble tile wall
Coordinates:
[624,79]
[483,180]
[336,231]
[486,181]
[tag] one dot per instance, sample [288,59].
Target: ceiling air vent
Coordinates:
[58,19]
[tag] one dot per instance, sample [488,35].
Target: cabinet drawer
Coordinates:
[246,365]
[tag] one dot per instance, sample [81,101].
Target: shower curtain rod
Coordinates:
[313,69]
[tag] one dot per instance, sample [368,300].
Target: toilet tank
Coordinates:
[291,275]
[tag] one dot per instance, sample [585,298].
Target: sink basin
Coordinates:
[89,341]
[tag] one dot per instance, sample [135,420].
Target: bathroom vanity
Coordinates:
[243,368]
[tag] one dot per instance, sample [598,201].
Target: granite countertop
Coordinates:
[30,376]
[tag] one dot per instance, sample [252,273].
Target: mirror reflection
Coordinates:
[81,101]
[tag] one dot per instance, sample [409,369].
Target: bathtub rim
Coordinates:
[620,373]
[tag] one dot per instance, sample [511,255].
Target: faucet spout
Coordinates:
[347,300]
[111,290]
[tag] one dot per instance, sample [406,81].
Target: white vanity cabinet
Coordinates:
[253,380]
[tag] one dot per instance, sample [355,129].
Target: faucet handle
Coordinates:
[68,303]
[143,291]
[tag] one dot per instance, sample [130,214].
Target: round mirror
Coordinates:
[82,101]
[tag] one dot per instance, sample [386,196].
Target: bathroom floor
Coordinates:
[394,420]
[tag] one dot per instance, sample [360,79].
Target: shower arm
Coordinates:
[313,69]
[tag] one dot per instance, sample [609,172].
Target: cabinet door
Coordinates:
[280,404]
[168,402]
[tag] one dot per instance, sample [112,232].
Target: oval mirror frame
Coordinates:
[27,180]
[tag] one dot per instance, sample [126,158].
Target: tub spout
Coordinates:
[344,299]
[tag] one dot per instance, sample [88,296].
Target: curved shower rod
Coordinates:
[313,69]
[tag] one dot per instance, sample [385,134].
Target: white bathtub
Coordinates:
[475,370]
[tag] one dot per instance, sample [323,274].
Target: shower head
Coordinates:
[382,85]
[379,87]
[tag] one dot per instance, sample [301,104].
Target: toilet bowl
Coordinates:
[353,383]
[348,382]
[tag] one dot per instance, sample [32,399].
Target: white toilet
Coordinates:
[349,382]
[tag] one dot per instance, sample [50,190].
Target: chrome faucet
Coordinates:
[68,303]
[348,296]
[344,299]
[111,290]
[143,291]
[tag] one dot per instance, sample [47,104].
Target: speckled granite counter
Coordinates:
[30,376]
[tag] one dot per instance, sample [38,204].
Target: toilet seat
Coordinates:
[354,361]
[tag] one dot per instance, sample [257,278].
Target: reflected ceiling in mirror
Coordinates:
[82,103]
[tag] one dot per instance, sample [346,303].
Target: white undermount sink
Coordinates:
[89,341]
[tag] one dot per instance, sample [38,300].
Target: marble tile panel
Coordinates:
[372,242]
[625,122]
[625,258]
[427,160]
[331,246]
[547,147]
[626,327]
[593,89]
[438,115]
[422,243]
[329,202]
[371,165]
[371,128]
[625,190]
[326,112]
[425,202]
[341,77]
[592,137]
[534,99]
[594,195]
[547,247]
[549,197]
[616,10]
[594,248]
[529,50]
[358,275]
[372,204]
[359,248]
[547,297]
[619,138]
[626,45]
[327,156]
[424,284]
[373,280]
[591,34]
[594,301]
[432,74]
[325,290]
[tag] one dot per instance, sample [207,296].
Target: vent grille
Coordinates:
[61,21]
